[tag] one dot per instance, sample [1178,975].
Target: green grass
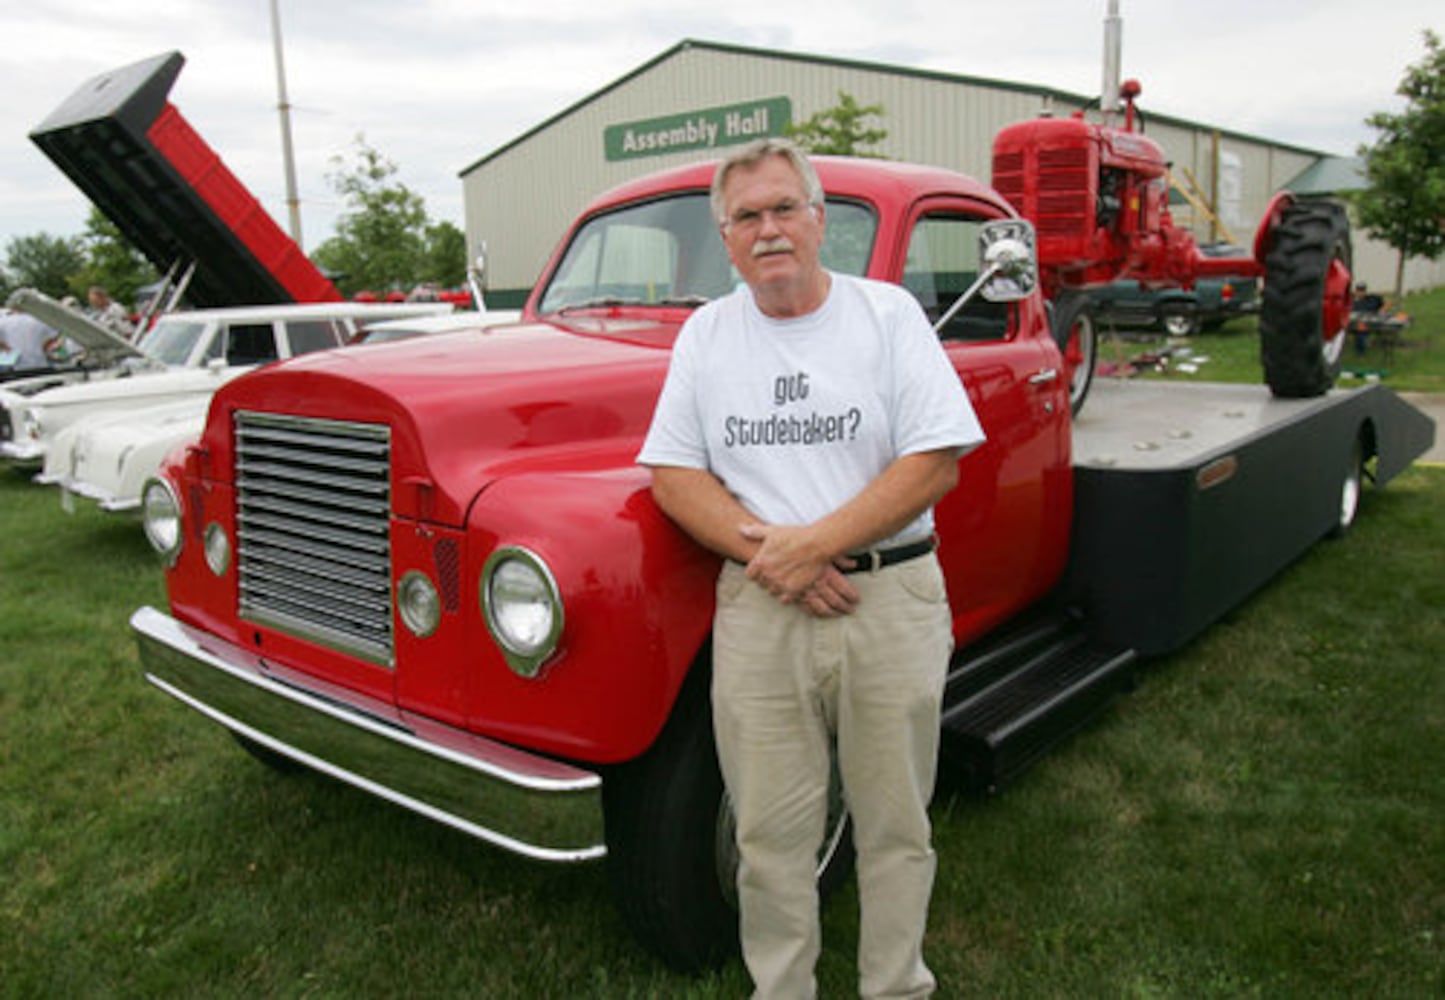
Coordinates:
[1263,817]
[1231,354]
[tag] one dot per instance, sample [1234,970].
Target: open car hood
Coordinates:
[101,345]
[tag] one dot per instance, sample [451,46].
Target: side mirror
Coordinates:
[1009,266]
[1008,251]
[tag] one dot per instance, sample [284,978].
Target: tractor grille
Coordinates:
[312,512]
[1064,201]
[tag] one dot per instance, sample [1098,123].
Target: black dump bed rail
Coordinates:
[133,155]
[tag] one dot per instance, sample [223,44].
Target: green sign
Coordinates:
[698,130]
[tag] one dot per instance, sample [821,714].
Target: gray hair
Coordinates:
[756,152]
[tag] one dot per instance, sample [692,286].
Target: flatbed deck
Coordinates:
[1163,425]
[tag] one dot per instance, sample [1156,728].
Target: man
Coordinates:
[108,313]
[25,341]
[808,424]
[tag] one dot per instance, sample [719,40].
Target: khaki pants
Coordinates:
[786,685]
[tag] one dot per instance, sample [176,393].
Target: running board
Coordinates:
[1015,695]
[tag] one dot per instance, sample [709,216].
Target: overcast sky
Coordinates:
[435,85]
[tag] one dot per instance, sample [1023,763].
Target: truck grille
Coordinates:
[313,505]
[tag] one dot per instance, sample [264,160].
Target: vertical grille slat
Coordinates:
[313,507]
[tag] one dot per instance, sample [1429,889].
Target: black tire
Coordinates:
[1077,334]
[1179,319]
[1306,301]
[671,859]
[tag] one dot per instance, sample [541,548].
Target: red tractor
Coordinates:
[1098,197]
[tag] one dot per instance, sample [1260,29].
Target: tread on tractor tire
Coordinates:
[1306,301]
[671,861]
[1077,334]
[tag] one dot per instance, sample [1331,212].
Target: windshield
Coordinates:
[668,252]
[171,341]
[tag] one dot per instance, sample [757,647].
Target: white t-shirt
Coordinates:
[797,416]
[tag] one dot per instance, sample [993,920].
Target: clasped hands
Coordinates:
[796,572]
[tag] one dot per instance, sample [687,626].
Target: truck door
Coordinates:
[1004,529]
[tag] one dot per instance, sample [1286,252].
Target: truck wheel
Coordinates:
[1306,301]
[671,855]
[1178,320]
[1078,338]
[1351,489]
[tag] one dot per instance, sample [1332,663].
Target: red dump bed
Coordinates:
[149,172]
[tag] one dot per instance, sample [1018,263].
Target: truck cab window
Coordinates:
[306,336]
[172,340]
[942,263]
[667,251]
[250,344]
[642,255]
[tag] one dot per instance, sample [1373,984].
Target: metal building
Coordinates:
[695,98]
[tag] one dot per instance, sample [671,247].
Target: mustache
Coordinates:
[778,244]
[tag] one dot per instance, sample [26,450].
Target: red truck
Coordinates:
[432,569]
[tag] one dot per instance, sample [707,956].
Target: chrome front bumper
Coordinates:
[522,802]
[23,453]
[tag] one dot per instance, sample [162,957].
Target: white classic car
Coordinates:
[185,355]
[108,457]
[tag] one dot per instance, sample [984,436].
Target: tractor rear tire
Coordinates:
[1077,335]
[1306,301]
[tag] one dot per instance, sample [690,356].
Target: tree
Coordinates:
[445,255]
[385,240]
[111,261]
[840,130]
[43,262]
[1404,203]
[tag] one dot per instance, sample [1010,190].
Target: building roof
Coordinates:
[1330,175]
[1050,93]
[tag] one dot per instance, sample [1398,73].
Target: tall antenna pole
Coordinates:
[293,204]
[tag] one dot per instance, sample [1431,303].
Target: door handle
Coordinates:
[1044,376]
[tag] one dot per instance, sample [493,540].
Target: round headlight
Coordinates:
[522,607]
[161,519]
[32,423]
[218,549]
[418,604]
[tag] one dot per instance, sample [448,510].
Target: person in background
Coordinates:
[832,624]
[25,342]
[109,313]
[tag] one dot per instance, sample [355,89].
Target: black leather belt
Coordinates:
[875,559]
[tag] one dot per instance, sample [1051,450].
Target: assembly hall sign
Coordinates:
[698,131]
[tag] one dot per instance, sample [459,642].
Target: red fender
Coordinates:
[1264,236]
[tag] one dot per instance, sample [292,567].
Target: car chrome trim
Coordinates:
[519,801]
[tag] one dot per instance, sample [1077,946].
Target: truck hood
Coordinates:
[465,408]
[101,345]
[143,388]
